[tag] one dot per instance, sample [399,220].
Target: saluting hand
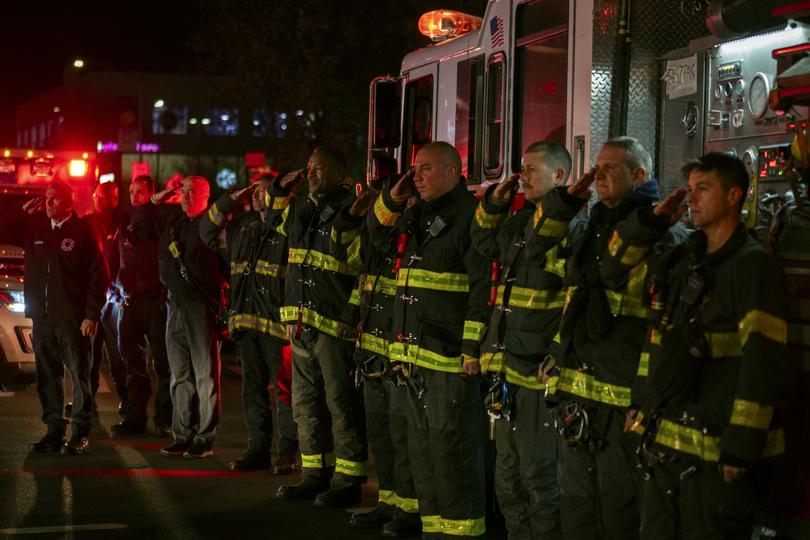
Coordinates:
[502,193]
[161,196]
[243,193]
[404,187]
[361,204]
[582,187]
[291,179]
[673,206]
[35,205]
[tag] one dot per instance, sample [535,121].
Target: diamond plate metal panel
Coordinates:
[656,26]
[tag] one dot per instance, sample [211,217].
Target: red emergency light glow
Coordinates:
[442,24]
[790,50]
[77,167]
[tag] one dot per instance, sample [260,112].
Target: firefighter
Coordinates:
[716,367]
[600,344]
[106,223]
[439,313]
[192,274]
[384,391]
[142,324]
[327,408]
[65,279]
[528,305]
[258,256]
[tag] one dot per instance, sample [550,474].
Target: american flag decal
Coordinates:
[496,31]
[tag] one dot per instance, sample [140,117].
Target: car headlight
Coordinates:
[14,301]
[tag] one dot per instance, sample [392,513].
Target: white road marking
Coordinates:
[64,528]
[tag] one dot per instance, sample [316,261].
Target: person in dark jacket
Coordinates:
[600,344]
[709,416]
[107,223]
[192,273]
[65,279]
[317,289]
[527,306]
[440,308]
[142,324]
[257,254]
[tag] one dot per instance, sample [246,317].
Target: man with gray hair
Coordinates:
[65,281]
[599,348]
[192,273]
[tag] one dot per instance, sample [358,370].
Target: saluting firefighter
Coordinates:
[327,408]
[528,304]
[258,256]
[600,344]
[439,312]
[192,273]
[716,367]
[384,390]
[65,280]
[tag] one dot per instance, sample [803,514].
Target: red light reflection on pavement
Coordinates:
[170,473]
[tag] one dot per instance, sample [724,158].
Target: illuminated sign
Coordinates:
[146,147]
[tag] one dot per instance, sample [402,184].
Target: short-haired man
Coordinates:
[142,324]
[717,367]
[107,222]
[192,273]
[257,254]
[440,307]
[65,279]
[317,289]
[601,341]
[528,306]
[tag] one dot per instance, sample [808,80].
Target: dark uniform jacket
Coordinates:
[372,301]
[441,291]
[107,227]
[714,383]
[318,286]
[605,314]
[179,240]
[138,274]
[65,275]
[257,254]
[531,247]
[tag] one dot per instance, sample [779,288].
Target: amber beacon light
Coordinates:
[441,24]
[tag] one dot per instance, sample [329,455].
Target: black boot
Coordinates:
[52,442]
[251,460]
[308,488]
[375,519]
[340,497]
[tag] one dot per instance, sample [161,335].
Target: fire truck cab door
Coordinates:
[385,107]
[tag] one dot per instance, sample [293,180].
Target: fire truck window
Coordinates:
[418,127]
[493,158]
[469,90]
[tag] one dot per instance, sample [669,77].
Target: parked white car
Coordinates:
[16,343]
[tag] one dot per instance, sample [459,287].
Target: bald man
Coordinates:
[65,278]
[192,273]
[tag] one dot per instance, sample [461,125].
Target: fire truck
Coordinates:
[684,77]
[26,172]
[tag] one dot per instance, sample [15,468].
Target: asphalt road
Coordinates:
[125,489]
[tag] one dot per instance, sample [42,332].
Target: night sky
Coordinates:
[37,44]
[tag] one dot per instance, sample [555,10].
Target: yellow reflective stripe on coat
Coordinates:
[493,362]
[463,527]
[581,384]
[260,324]
[269,269]
[237,267]
[386,496]
[321,261]
[289,314]
[372,343]
[634,255]
[431,524]
[624,304]
[405,504]
[526,298]
[278,202]
[385,215]
[751,414]
[215,216]
[643,364]
[424,358]
[485,220]
[554,264]
[472,330]
[350,468]
[345,237]
[531,381]
[550,227]
[280,227]
[615,243]
[723,344]
[764,324]
[354,298]
[694,442]
[437,281]
[317,461]
[380,284]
